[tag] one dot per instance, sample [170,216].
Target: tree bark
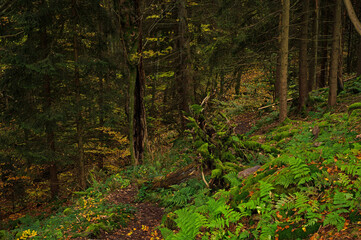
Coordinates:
[353,16]
[314,52]
[284,59]
[276,94]
[359,58]
[183,74]
[79,118]
[335,54]
[303,63]
[49,124]
[139,119]
[324,49]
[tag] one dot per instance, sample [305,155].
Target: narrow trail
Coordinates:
[141,226]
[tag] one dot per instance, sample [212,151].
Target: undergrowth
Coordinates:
[312,183]
[88,215]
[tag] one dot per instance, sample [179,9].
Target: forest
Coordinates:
[180,119]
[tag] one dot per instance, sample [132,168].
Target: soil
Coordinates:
[143,225]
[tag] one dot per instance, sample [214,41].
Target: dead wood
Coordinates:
[176,177]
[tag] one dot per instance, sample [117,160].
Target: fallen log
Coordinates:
[176,177]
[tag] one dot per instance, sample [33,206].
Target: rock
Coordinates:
[245,173]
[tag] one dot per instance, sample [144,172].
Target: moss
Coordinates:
[353,107]
[67,211]
[252,145]
[270,149]
[233,166]
[323,124]
[355,116]
[217,173]
[283,128]
[285,134]
[256,137]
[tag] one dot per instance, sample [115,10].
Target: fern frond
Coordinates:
[232,179]
[265,189]
[189,223]
[334,219]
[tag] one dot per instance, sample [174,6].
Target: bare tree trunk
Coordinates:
[79,118]
[100,156]
[324,49]
[278,64]
[359,58]
[303,63]
[140,124]
[284,59]
[49,125]
[335,54]
[314,52]
[184,73]
[238,82]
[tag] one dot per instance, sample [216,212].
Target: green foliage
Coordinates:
[294,194]
[353,107]
[89,215]
[218,147]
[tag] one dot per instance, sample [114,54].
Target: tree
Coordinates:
[315,45]
[303,61]
[183,74]
[353,17]
[334,65]
[284,60]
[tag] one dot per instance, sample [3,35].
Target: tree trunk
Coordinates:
[238,82]
[284,59]
[79,118]
[49,124]
[359,58]
[132,80]
[183,76]
[137,113]
[324,49]
[100,156]
[353,16]
[303,63]
[314,52]
[335,54]
[276,94]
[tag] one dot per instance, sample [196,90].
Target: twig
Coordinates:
[290,99]
[12,35]
[204,180]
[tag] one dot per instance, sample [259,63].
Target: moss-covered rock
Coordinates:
[353,107]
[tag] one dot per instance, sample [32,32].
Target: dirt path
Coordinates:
[141,226]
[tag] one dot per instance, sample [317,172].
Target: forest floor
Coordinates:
[143,225]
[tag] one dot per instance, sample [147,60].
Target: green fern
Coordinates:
[265,189]
[232,179]
[189,223]
[334,219]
